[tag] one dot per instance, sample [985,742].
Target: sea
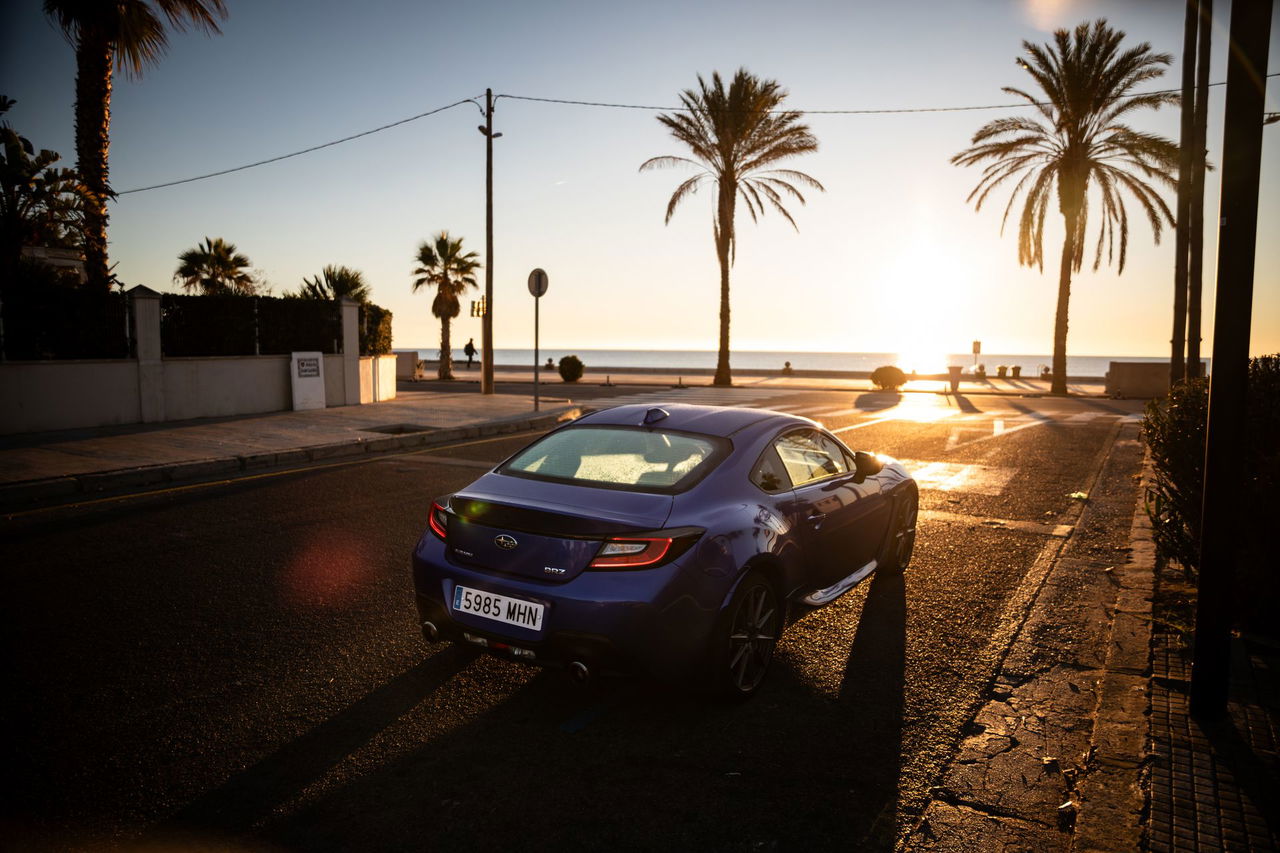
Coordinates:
[745,360]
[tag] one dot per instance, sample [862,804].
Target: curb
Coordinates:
[1053,755]
[1113,796]
[29,494]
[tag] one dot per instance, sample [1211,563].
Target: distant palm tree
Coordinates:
[1086,79]
[444,266]
[215,268]
[130,35]
[735,136]
[335,282]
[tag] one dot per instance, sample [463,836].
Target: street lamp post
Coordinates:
[486,323]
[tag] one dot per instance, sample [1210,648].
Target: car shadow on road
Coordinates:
[874,680]
[631,764]
[254,793]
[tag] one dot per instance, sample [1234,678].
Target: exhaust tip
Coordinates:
[430,632]
[579,672]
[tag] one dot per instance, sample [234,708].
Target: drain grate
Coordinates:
[399,429]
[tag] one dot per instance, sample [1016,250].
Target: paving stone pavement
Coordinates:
[1215,784]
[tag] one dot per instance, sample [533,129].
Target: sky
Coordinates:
[890,258]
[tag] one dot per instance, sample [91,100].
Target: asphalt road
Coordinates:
[238,666]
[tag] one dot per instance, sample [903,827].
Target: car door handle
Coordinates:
[816,518]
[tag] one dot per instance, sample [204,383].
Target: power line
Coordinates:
[898,111]
[303,151]
[844,112]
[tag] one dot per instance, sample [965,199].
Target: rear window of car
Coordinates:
[620,457]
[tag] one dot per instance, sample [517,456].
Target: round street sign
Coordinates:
[538,282]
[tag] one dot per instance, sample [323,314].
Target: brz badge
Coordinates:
[505,542]
[551,570]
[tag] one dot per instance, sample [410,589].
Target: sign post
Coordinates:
[537,287]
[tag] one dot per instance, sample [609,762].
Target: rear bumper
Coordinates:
[654,620]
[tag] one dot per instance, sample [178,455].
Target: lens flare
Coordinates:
[330,570]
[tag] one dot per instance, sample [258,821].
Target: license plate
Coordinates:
[499,608]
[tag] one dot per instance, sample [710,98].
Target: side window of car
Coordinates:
[837,451]
[769,474]
[809,456]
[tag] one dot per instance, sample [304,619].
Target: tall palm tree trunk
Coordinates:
[446,351]
[724,241]
[93,126]
[1059,383]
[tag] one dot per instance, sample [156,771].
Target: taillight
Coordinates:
[649,549]
[439,521]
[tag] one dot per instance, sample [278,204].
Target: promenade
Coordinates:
[71,464]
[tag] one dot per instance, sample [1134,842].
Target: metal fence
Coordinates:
[43,323]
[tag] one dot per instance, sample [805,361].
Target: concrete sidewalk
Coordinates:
[61,466]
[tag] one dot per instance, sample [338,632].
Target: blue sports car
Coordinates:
[678,540]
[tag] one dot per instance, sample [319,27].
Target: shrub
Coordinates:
[888,377]
[1175,432]
[375,330]
[570,368]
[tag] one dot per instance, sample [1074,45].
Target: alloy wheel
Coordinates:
[752,637]
[906,531]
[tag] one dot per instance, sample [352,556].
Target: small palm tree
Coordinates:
[444,266]
[129,34]
[1078,139]
[735,136]
[215,268]
[334,283]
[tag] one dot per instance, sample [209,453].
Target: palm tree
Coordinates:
[215,268]
[735,136]
[444,266]
[1079,138]
[334,283]
[40,205]
[130,35]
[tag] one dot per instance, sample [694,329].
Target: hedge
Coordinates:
[52,322]
[1175,431]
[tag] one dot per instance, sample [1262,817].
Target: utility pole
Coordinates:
[1195,238]
[1228,386]
[486,324]
[1182,224]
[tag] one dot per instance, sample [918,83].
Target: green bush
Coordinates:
[570,368]
[375,330]
[1175,431]
[888,377]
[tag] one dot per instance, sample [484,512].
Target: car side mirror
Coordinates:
[866,464]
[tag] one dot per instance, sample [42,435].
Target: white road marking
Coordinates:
[959,477]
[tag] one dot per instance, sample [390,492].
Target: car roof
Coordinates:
[708,420]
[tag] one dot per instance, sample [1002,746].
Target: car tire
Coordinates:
[745,638]
[901,542]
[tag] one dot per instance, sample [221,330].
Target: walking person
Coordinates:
[470,350]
